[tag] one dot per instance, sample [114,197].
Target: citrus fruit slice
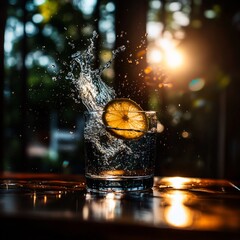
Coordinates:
[125,119]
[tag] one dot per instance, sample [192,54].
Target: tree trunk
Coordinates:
[3,16]
[23,97]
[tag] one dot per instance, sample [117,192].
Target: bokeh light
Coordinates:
[197,103]
[177,214]
[165,53]
[185,134]
[196,84]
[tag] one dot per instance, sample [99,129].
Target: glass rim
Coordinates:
[101,111]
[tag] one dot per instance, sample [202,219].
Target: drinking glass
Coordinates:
[118,165]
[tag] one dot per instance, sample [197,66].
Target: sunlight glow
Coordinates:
[155,56]
[166,44]
[154,29]
[165,51]
[178,182]
[174,58]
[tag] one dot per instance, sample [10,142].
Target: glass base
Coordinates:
[120,184]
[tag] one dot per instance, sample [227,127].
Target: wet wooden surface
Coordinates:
[47,206]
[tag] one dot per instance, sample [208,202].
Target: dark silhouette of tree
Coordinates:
[131,31]
[3,16]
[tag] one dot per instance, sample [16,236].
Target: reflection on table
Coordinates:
[176,208]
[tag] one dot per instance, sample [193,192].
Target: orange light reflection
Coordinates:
[177,182]
[177,214]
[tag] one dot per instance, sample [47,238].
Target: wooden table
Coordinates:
[48,206]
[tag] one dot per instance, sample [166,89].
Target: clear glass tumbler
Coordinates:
[118,165]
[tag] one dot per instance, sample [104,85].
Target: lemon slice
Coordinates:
[125,119]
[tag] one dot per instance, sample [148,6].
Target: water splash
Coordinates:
[93,92]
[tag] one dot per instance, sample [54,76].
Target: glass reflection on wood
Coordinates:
[106,208]
[174,203]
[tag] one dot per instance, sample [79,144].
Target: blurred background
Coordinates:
[182,60]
